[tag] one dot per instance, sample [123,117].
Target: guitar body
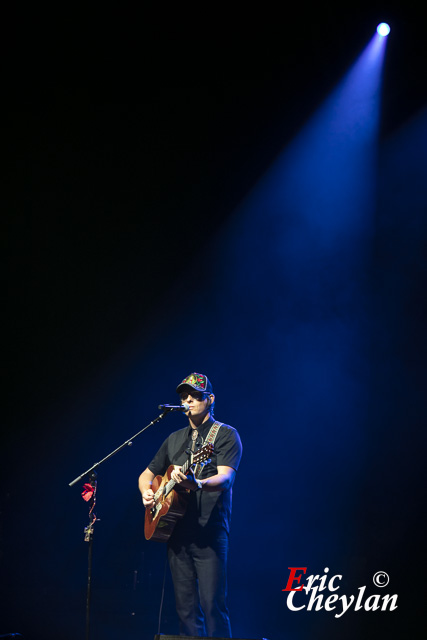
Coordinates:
[161,519]
[169,505]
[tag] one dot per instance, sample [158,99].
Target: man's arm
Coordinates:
[221,481]
[144,483]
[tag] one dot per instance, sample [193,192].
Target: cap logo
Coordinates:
[197,380]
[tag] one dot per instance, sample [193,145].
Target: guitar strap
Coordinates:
[210,439]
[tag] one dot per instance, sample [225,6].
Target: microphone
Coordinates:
[173,407]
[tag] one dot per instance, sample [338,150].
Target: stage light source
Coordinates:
[383,29]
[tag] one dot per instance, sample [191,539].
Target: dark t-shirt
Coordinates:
[205,510]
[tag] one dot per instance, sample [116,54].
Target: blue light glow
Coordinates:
[383,29]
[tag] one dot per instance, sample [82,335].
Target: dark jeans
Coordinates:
[199,573]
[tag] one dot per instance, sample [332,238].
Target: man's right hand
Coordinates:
[148,498]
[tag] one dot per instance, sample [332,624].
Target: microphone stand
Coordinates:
[90,492]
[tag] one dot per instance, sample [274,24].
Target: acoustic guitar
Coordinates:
[169,504]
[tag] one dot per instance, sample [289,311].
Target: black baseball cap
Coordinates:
[197,381]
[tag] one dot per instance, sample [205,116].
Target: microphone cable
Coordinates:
[163,596]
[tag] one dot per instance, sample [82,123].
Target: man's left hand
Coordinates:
[184,481]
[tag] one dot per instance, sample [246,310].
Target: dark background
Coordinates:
[129,142]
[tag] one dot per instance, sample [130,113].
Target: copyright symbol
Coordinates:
[381,579]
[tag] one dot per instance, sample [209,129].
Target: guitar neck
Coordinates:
[171,483]
[186,465]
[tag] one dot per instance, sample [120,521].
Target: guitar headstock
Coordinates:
[204,453]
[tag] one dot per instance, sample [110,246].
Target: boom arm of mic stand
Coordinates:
[127,443]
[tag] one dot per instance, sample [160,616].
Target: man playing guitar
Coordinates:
[198,546]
